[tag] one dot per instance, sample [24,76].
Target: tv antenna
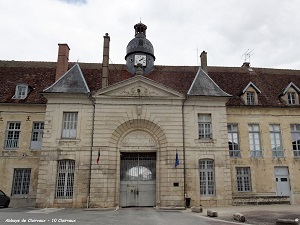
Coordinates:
[247,55]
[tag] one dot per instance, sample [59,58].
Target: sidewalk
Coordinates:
[256,214]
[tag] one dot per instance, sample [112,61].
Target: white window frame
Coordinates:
[37,135]
[276,141]
[21,91]
[233,141]
[69,127]
[243,178]
[250,96]
[12,136]
[21,181]
[204,126]
[254,140]
[65,179]
[291,98]
[207,177]
[295,132]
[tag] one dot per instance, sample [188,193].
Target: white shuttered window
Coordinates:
[69,125]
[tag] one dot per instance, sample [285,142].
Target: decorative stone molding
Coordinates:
[137,90]
[138,138]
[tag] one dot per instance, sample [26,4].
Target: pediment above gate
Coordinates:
[138,139]
[139,86]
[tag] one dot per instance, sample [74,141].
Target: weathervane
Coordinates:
[247,55]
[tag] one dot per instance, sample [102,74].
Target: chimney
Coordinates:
[62,60]
[105,60]
[246,64]
[203,58]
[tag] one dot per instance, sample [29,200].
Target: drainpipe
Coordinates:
[91,154]
[183,143]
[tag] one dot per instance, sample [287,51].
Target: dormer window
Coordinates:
[250,94]
[21,91]
[291,98]
[250,98]
[290,94]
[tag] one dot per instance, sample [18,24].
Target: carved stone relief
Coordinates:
[138,138]
[137,90]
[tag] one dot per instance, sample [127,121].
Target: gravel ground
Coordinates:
[258,214]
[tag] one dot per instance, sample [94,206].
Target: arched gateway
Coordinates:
[139,145]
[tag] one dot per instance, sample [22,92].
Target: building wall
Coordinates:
[215,149]
[262,169]
[21,157]
[115,121]
[160,119]
[55,148]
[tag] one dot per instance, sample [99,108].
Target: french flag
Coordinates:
[98,158]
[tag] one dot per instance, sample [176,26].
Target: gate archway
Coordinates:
[139,146]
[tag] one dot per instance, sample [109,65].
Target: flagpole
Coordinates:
[91,156]
[183,147]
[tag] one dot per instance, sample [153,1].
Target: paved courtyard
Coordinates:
[127,216]
[258,215]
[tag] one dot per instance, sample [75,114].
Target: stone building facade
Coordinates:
[101,135]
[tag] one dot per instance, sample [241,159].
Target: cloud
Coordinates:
[74,1]
[179,31]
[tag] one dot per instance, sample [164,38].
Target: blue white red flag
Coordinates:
[98,158]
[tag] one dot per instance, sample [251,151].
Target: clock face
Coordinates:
[140,59]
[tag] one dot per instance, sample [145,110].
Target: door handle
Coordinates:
[137,192]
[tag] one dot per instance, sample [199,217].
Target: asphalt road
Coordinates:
[125,216]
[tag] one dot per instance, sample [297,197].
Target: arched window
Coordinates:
[207,177]
[65,179]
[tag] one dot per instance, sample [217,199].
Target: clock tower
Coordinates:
[140,53]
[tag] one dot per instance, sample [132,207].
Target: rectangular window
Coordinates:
[207,177]
[291,98]
[276,144]
[37,135]
[295,131]
[204,123]
[65,179]
[233,140]
[12,135]
[250,98]
[254,140]
[21,182]
[69,125]
[243,179]
[21,92]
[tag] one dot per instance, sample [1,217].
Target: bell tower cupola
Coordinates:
[140,52]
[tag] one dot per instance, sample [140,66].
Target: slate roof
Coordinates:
[232,80]
[71,82]
[203,85]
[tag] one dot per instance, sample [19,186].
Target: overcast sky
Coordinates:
[178,30]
